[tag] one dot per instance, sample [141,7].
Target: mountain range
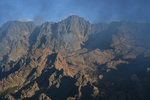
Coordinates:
[74,60]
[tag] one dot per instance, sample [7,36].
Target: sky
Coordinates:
[92,10]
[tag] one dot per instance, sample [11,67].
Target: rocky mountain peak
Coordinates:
[74,18]
[75,22]
[74,60]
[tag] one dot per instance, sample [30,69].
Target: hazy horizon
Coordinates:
[92,10]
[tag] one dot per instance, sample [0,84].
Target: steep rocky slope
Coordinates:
[74,60]
[65,36]
[14,39]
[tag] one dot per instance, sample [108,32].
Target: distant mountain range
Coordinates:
[74,60]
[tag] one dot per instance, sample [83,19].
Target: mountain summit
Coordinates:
[74,60]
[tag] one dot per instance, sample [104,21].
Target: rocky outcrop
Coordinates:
[74,60]
[34,67]
[44,97]
[60,63]
[65,36]
[30,91]
[31,68]
[14,39]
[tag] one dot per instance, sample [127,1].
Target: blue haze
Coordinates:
[93,10]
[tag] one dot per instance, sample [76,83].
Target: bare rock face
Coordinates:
[96,91]
[23,81]
[113,64]
[58,62]
[65,36]
[44,97]
[53,81]
[74,60]
[15,80]
[14,39]
[9,97]
[29,92]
